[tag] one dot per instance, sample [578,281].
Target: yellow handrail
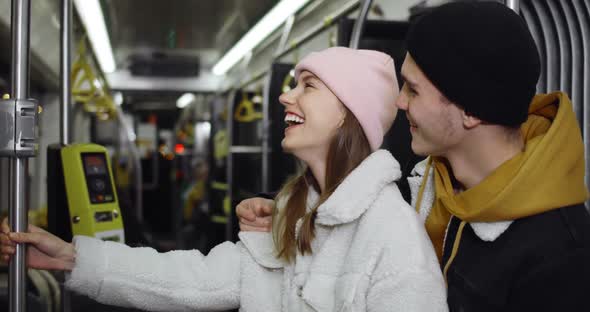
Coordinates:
[87,88]
[245,111]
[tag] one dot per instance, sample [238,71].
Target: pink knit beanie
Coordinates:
[363,80]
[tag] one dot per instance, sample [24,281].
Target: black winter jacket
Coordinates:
[540,263]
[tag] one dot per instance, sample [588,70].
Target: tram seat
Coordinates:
[43,292]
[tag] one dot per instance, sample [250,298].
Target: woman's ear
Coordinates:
[342,117]
[470,121]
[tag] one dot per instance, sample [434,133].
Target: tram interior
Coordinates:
[186,141]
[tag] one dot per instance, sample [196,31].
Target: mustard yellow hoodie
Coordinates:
[548,174]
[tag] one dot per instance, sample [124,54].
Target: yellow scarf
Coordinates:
[548,174]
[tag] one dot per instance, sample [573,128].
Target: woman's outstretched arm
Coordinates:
[183,280]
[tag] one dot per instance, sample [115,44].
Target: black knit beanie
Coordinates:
[481,56]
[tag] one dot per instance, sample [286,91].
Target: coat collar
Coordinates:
[359,189]
[414,181]
[348,202]
[486,231]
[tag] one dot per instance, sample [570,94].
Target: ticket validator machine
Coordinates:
[82,199]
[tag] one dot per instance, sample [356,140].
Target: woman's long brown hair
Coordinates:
[348,149]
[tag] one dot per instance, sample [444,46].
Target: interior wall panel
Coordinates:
[552,48]
[565,47]
[561,30]
[532,20]
[582,9]
[577,64]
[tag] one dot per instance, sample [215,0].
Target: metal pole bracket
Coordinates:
[18,134]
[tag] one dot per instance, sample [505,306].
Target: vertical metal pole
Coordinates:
[65,97]
[229,229]
[137,170]
[20,15]
[18,223]
[285,35]
[65,71]
[4,184]
[265,133]
[266,100]
[357,30]
[176,204]
[514,5]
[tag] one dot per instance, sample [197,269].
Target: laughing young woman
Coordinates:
[343,239]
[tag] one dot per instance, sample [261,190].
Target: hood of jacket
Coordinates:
[547,174]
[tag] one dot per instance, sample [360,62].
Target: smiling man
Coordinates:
[502,192]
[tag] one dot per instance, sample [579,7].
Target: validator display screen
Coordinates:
[98,179]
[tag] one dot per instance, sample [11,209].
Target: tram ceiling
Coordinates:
[179,39]
[181,24]
[190,31]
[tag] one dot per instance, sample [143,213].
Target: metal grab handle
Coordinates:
[19,120]
[514,5]
[357,30]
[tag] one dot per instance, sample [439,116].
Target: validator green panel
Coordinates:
[91,193]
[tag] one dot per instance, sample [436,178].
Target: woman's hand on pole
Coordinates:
[45,251]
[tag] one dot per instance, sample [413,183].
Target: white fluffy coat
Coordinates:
[371,254]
